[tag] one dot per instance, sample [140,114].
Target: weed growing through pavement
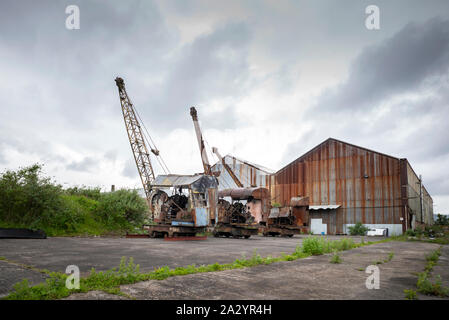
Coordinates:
[335,258]
[410,294]
[424,284]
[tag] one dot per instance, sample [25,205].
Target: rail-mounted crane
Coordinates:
[137,140]
[186,211]
[233,219]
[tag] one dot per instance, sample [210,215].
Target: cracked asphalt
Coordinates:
[310,278]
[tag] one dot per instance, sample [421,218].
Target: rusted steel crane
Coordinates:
[137,140]
[183,213]
[228,169]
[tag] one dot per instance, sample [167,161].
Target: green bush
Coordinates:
[91,193]
[358,229]
[442,220]
[122,208]
[28,200]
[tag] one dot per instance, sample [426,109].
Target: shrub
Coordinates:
[358,229]
[29,200]
[122,208]
[25,197]
[92,193]
[442,220]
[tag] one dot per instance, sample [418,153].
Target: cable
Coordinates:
[159,158]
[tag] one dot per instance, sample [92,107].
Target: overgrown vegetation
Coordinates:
[358,229]
[442,220]
[410,294]
[317,246]
[128,272]
[425,285]
[276,205]
[30,200]
[434,234]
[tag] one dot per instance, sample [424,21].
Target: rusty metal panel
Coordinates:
[212,198]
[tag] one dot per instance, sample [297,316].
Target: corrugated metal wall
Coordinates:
[365,183]
[414,198]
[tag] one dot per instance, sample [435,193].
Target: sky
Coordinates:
[270,80]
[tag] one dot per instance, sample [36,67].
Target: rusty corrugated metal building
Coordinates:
[347,184]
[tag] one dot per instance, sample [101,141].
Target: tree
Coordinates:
[442,220]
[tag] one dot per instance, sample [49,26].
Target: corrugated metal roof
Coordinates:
[259,167]
[325,207]
[175,180]
[198,182]
[249,174]
[338,141]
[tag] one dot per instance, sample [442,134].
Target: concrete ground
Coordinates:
[311,278]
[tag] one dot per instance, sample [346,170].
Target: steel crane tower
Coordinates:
[137,141]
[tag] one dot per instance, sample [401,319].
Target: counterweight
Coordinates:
[136,139]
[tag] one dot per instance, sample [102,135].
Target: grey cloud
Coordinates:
[409,72]
[87,164]
[400,64]
[130,169]
[214,65]
[111,155]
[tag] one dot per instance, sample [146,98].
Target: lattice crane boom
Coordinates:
[136,140]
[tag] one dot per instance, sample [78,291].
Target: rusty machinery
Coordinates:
[183,212]
[288,220]
[239,219]
[188,210]
[233,218]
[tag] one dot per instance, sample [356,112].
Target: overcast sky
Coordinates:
[270,80]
